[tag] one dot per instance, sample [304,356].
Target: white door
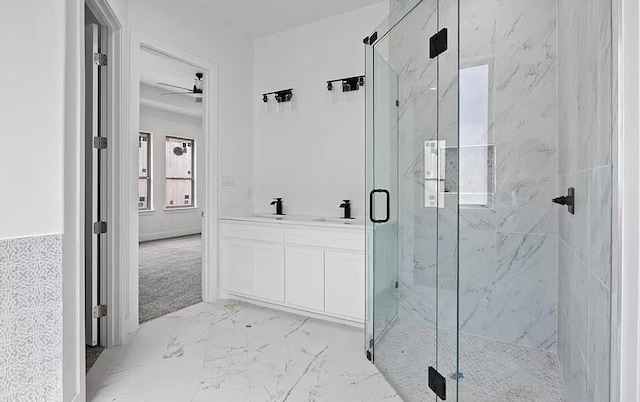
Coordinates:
[269,271]
[236,258]
[305,277]
[344,284]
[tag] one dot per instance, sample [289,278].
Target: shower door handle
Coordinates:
[569,200]
[371,208]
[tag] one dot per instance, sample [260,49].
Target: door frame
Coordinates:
[73,321]
[209,202]
[626,312]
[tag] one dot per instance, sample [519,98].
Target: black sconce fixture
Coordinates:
[198,85]
[280,96]
[348,84]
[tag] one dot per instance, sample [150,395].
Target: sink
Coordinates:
[270,216]
[337,220]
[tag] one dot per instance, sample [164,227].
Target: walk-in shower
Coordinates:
[472,270]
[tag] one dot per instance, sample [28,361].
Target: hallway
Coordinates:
[234,352]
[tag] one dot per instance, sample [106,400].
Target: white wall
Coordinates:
[183,27]
[32,116]
[313,154]
[161,223]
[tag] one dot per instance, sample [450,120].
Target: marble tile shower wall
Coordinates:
[584,247]
[31,319]
[508,249]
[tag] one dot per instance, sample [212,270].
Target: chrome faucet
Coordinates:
[278,203]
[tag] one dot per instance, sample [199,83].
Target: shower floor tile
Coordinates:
[491,371]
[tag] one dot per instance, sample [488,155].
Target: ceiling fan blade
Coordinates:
[178,93]
[174,86]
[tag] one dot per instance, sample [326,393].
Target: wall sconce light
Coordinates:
[280,96]
[348,84]
[198,85]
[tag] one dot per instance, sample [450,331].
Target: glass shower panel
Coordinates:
[447,213]
[534,280]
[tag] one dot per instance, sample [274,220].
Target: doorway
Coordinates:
[171,184]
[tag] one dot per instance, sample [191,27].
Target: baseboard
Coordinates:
[169,234]
[101,369]
[293,310]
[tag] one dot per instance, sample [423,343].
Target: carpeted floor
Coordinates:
[170,275]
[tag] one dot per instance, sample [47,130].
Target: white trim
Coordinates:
[170,234]
[210,203]
[73,385]
[629,180]
[73,364]
[291,309]
[101,369]
[170,108]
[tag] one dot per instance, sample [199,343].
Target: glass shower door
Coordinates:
[384,197]
[406,178]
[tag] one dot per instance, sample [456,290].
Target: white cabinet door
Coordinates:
[269,271]
[236,258]
[305,277]
[344,284]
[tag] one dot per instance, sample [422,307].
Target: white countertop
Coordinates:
[302,220]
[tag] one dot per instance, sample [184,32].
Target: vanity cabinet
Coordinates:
[308,269]
[237,254]
[269,271]
[344,283]
[305,277]
[252,261]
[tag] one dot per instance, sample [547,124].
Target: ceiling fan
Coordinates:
[196,90]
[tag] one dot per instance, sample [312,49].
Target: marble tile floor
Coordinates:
[231,351]
[493,371]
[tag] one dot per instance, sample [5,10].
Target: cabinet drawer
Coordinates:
[347,240]
[252,232]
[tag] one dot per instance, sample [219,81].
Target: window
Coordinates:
[144,171]
[180,184]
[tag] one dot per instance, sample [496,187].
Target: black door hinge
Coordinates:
[438,384]
[438,43]
[370,40]
[396,284]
